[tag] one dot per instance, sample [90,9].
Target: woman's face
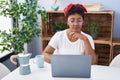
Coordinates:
[75,22]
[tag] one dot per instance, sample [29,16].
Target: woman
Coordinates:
[71,41]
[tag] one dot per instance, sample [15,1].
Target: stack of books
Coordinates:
[93,7]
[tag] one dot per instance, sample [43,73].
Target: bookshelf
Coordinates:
[104,46]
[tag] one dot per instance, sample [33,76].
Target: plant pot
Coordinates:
[58,30]
[94,35]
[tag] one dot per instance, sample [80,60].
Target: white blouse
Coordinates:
[63,45]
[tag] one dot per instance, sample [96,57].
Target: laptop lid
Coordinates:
[78,66]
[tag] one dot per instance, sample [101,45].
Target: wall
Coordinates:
[35,46]
[108,5]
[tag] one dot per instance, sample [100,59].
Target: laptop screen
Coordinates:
[71,66]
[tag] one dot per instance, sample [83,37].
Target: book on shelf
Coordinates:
[94,7]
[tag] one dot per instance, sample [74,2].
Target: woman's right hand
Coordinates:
[75,36]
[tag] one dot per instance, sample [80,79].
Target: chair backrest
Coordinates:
[115,62]
[3,71]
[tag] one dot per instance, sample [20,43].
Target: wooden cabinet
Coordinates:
[116,47]
[103,44]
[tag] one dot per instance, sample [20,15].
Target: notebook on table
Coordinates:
[78,66]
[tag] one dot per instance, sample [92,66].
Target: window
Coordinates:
[5,23]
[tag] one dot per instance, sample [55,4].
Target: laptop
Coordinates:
[74,66]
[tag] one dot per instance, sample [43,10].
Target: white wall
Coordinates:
[108,5]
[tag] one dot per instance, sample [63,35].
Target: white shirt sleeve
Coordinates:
[54,41]
[92,42]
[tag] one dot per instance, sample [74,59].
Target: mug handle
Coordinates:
[12,59]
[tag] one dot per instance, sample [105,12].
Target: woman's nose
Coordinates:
[76,23]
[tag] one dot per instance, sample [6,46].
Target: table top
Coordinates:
[97,73]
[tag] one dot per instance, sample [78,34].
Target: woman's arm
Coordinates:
[47,52]
[89,50]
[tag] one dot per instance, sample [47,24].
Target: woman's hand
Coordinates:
[75,36]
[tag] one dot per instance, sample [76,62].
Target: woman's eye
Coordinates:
[80,20]
[72,21]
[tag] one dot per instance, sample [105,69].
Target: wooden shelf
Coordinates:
[116,41]
[116,47]
[98,12]
[46,38]
[103,41]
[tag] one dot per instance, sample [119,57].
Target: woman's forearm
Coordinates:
[47,53]
[89,50]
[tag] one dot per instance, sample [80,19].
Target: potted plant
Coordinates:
[60,26]
[94,29]
[25,27]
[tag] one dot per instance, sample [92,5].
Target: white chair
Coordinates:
[3,71]
[115,62]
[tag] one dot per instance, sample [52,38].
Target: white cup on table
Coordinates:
[39,61]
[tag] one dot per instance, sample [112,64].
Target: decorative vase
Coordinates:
[55,6]
[94,35]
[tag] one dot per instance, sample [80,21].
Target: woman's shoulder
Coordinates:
[87,35]
[60,33]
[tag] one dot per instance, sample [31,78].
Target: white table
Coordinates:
[97,73]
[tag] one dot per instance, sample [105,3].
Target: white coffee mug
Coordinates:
[39,61]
